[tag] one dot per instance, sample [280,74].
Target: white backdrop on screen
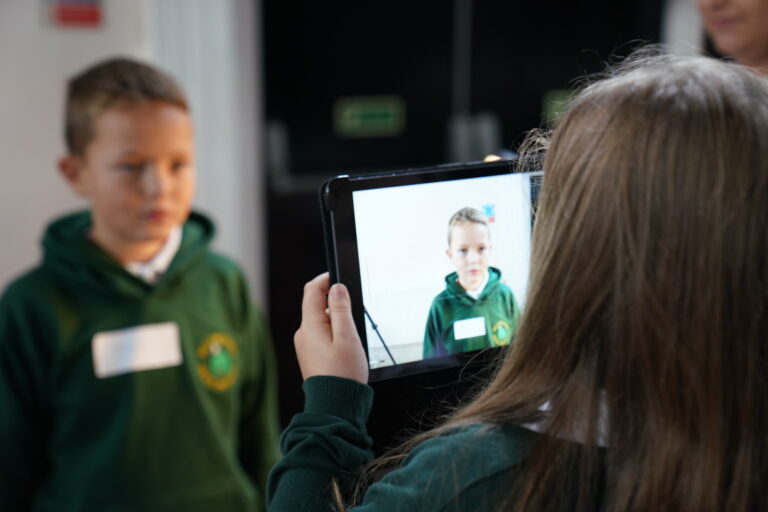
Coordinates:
[402,238]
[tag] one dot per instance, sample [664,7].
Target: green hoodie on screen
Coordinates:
[199,434]
[496,306]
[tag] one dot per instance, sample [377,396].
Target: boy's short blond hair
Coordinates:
[466,214]
[107,83]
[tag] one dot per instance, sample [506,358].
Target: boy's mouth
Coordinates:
[156,215]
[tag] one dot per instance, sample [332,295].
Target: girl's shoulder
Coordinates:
[465,467]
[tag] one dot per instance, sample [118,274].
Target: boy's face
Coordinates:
[138,173]
[469,251]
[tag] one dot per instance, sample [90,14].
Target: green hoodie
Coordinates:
[198,434]
[465,468]
[459,323]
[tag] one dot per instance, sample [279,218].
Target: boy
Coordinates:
[476,310]
[134,372]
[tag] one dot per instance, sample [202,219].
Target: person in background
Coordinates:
[135,374]
[636,381]
[738,29]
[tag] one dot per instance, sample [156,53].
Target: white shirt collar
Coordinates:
[150,271]
[579,434]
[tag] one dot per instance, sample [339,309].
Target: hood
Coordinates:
[453,286]
[69,255]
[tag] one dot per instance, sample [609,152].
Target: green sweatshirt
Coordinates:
[459,323]
[194,430]
[464,469]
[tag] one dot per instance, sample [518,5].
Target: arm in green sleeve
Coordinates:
[515,314]
[465,469]
[431,335]
[327,441]
[258,447]
[23,420]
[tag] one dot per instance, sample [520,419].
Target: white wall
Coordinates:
[219,72]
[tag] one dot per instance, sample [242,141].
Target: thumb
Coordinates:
[340,310]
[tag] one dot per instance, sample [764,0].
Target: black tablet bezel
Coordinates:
[342,255]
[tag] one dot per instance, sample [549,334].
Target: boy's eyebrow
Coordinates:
[139,153]
[128,155]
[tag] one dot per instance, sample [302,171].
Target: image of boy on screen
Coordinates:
[476,310]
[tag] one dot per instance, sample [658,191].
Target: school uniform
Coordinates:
[458,322]
[467,468]
[132,388]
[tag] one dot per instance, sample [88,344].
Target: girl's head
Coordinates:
[647,311]
[653,223]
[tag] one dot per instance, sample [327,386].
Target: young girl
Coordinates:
[637,380]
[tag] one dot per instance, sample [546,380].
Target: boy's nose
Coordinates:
[155,181]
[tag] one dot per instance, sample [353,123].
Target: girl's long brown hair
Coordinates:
[647,309]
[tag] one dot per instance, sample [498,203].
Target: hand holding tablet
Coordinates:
[327,342]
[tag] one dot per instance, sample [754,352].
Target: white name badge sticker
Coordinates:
[469,328]
[144,347]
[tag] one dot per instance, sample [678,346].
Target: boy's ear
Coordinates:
[71,168]
[448,252]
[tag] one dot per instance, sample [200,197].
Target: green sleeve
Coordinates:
[466,469]
[258,446]
[325,442]
[432,333]
[24,378]
[515,313]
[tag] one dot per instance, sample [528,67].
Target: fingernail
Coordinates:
[337,291]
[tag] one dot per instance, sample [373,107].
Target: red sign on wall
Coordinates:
[76,13]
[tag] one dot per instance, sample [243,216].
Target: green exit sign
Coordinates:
[369,116]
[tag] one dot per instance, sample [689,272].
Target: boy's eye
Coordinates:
[178,165]
[463,251]
[131,167]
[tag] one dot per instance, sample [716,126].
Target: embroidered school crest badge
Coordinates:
[501,333]
[218,361]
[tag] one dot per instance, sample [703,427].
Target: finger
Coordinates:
[340,311]
[313,303]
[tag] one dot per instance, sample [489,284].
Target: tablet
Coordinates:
[436,260]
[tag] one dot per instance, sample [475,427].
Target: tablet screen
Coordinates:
[442,266]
